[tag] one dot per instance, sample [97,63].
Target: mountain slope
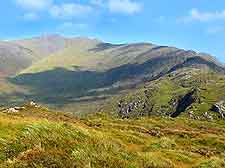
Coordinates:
[43,46]
[98,56]
[83,70]
[46,45]
[186,92]
[13,58]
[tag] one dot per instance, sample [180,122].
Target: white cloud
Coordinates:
[197,15]
[124,6]
[31,16]
[69,10]
[34,4]
[215,30]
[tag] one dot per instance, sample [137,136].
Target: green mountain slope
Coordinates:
[190,92]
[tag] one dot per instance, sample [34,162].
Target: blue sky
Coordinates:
[188,24]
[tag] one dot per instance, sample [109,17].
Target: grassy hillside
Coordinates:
[162,97]
[36,137]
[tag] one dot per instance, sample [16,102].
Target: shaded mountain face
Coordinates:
[64,71]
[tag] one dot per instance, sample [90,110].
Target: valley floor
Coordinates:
[36,137]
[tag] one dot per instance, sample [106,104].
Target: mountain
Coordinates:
[67,72]
[141,105]
[43,46]
[93,55]
[13,58]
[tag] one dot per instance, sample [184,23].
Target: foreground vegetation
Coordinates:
[36,137]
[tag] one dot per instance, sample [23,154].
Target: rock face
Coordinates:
[126,109]
[219,108]
[186,101]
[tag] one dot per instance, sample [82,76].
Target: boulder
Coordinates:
[33,104]
[19,108]
[12,110]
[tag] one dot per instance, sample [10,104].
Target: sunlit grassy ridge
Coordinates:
[36,137]
[91,54]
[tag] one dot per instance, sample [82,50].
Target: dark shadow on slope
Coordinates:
[198,62]
[185,102]
[62,85]
[105,46]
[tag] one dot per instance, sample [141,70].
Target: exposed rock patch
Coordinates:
[127,109]
[219,108]
[13,109]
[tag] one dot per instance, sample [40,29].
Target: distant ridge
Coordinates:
[58,70]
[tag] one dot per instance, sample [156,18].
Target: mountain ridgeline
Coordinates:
[67,72]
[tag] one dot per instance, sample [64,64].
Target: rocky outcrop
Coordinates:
[128,109]
[13,109]
[18,109]
[219,108]
[186,101]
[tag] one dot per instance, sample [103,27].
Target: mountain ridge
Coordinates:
[79,69]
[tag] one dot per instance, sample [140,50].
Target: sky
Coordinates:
[197,25]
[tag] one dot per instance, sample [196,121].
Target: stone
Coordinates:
[207,116]
[12,110]
[32,103]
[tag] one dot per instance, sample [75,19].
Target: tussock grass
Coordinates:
[39,138]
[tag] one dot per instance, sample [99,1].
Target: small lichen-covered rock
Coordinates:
[12,110]
[33,104]
[207,116]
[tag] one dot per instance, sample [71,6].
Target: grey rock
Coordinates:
[219,108]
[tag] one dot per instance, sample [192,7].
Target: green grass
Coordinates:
[36,137]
